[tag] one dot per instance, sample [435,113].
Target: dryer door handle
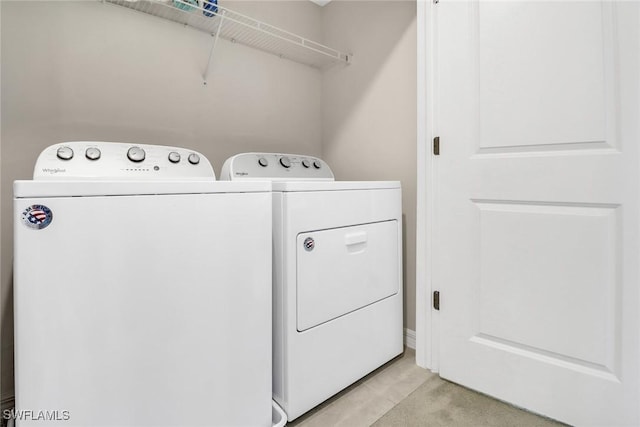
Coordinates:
[355,238]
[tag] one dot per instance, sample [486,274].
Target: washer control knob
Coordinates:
[317,164]
[285,162]
[306,163]
[65,153]
[194,159]
[174,157]
[263,162]
[92,153]
[136,154]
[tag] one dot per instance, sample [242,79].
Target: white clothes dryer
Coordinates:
[337,275]
[142,290]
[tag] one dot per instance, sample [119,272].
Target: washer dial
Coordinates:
[65,153]
[92,153]
[285,162]
[174,157]
[136,154]
[194,159]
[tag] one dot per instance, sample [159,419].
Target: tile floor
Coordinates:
[401,394]
[366,401]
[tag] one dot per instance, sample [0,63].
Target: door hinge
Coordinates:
[436,300]
[436,146]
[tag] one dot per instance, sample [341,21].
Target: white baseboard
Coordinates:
[410,338]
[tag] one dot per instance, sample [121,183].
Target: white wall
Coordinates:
[87,70]
[369,107]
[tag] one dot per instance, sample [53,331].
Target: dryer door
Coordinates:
[343,269]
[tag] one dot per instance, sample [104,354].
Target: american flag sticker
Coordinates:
[37,217]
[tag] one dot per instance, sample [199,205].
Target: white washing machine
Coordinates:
[142,291]
[337,275]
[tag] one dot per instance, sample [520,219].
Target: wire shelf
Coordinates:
[239,28]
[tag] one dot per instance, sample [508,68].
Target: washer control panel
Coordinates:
[117,160]
[275,166]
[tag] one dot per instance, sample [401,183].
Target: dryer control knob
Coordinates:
[174,157]
[306,163]
[317,164]
[136,154]
[194,159]
[65,153]
[285,162]
[92,153]
[263,162]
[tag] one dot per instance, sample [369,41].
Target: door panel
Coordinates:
[343,269]
[540,263]
[547,80]
[537,204]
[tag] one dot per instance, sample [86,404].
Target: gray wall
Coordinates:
[87,70]
[369,107]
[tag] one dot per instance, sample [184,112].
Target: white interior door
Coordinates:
[537,204]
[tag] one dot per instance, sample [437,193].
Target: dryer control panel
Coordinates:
[120,161]
[275,166]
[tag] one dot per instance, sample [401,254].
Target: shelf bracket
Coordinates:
[213,47]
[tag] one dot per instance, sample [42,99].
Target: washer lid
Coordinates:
[22,189]
[299,186]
